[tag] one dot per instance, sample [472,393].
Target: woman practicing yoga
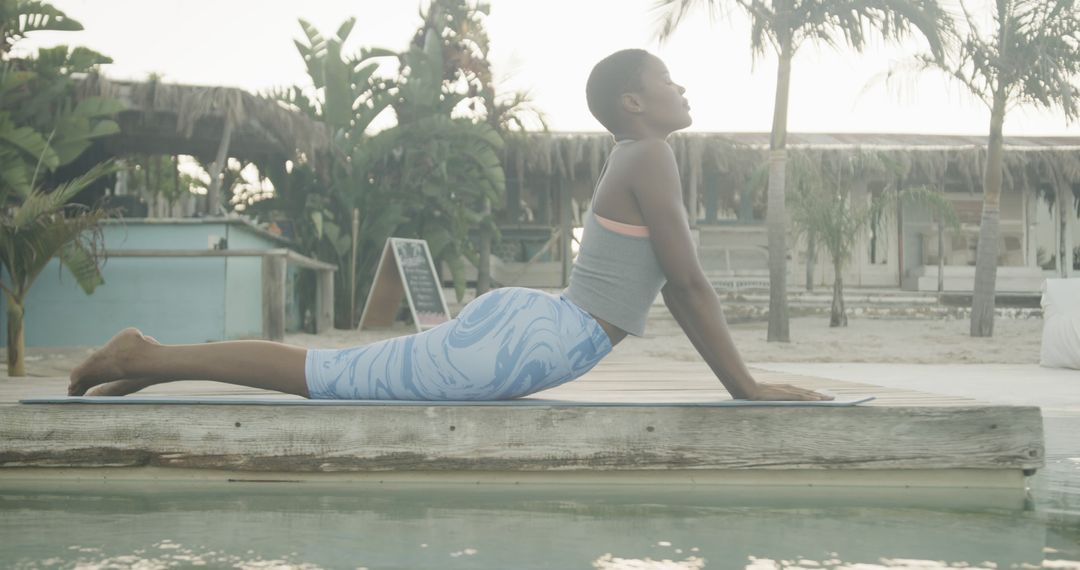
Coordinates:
[512,341]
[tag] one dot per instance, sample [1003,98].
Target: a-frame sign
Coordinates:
[405,269]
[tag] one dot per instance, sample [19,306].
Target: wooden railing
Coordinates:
[274,262]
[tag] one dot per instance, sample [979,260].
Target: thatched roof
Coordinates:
[163,118]
[1050,159]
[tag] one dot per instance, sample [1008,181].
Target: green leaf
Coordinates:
[82,265]
[31,142]
[104,129]
[437,238]
[345,29]
[32,16]
[457,269]
[93,107]
[317,219]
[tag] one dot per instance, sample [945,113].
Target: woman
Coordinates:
[513,341]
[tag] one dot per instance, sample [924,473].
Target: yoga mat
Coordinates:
[157,401]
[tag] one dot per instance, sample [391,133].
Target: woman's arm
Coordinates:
[701,318]
[688,293]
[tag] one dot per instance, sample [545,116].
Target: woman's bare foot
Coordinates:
[110,362]
[125,387]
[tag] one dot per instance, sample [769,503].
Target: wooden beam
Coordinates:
[522,436]
[290,256]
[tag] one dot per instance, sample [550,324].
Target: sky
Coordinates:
[547,47]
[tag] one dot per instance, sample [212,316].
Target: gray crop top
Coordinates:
[615,277]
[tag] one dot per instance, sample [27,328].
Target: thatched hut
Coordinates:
[212,123]
[551,177]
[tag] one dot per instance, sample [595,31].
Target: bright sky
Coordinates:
[548,48]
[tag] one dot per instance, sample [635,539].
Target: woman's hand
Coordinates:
[784,392]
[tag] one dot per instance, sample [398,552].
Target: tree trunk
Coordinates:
[839,316]
[213,193]
[940,256]
[1065,210]
[483,271]
[16,343]
[810,254]
[776,214]
[982,299]
[352,267]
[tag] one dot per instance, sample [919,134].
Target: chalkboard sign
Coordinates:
[405,270]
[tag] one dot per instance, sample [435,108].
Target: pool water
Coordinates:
[371,525]
[192,524]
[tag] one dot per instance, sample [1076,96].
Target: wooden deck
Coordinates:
[903,438]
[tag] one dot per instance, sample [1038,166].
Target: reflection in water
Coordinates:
[159,556]
[370,525]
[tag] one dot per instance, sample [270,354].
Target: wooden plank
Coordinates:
[527,438]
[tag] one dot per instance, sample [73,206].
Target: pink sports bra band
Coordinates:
[621,228]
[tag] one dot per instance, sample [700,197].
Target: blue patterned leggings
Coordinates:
[506,343]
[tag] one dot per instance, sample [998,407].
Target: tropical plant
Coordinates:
[42,226]
[346,97]
[423,177]
[443,167]
[42,128]
[784,26]
[1028,55]
[822,206]
[158,177]
[461,30]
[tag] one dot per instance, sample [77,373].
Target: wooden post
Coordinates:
[273,297]
[941,246]
[567,230]
[1031,212]
[713,180]
[352,268]
[692,194]
[324,300]
[213,198]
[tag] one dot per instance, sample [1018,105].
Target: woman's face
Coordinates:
[664,106]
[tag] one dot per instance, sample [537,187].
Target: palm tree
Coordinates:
[823,207]
[784,26]
[1030,56]
[43,226]
[42,129]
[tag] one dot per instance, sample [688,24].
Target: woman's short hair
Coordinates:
[613,76]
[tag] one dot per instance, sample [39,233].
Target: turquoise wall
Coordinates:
[176,300]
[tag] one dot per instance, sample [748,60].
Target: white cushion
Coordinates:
[1061,324]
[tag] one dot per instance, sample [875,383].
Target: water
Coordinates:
[147,525]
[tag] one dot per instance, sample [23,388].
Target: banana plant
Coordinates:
[418,178]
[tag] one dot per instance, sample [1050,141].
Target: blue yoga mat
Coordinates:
[516,402]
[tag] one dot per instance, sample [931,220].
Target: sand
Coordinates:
[914,341]
[865,339]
